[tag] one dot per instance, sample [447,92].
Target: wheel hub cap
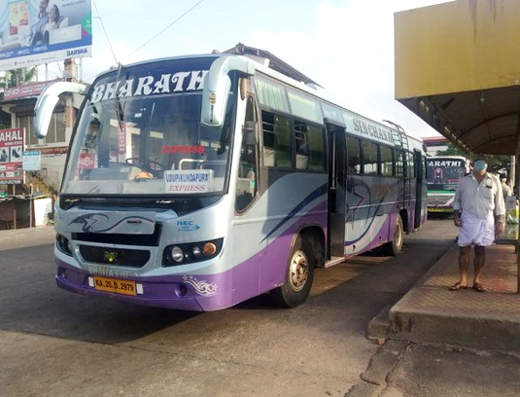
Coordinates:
[299,270]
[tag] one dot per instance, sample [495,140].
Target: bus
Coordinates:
[198,182]
[444,173]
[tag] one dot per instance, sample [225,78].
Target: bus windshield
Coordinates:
[148,145]
[444,174]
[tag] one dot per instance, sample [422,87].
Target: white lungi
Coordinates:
[476,231]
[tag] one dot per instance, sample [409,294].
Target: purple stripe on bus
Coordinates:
[260,273]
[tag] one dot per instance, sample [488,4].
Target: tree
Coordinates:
[452,150]
[14,78]
[495,161]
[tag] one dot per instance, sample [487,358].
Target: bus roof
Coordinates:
[275,63]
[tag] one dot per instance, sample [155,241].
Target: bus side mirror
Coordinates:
[217,85]
[214,102]
[48,100]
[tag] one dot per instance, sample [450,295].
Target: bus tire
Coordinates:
[299,276]
[395,246]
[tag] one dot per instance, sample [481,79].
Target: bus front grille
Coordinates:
[440,200]
[114,256]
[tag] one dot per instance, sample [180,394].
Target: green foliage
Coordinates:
[14,78]
[495,161]
[452,150]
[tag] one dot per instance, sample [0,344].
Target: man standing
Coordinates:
[479,211]
[506,189]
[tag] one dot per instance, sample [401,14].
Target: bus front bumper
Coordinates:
[172,292]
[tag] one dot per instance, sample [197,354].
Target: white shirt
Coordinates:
[480,199]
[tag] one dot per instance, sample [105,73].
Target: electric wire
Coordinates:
[104,30]
[148,41]
[163,30]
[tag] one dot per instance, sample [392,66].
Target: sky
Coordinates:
[346,46]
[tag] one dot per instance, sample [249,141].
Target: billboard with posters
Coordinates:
[34,32]
[11,156]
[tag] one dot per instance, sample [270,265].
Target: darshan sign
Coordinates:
[11,152]
[33,32]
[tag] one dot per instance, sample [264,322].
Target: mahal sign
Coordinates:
[11,152]
[33,32]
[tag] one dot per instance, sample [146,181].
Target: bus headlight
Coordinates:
[177,254]
[196,251]
[183,254]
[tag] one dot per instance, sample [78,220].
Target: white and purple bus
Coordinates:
[198,182]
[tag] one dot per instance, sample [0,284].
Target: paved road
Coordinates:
[53,343]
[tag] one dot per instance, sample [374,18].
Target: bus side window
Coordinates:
[247,171]
[411,165]
[316,149]
[301,137]
[353,155]
[370,160]
[386,161]
[309,147]
[268,138]
[282,130]
[399,163]
[277,140]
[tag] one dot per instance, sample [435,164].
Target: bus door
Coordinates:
[337,189]
[419,173]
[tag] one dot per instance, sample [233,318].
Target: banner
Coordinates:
[33,32]
[32,160]
[27,90]
[11,152]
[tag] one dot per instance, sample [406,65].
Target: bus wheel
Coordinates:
[395,246]
[299,276]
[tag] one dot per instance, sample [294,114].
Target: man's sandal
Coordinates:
[457,286]
[479,288]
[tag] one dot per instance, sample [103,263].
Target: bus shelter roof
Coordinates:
[456,67]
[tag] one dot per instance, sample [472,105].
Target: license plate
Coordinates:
[124,287]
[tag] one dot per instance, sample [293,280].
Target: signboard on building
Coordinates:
[11,152]
[54,150]
[31,160]
[33,32]
[27,90]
